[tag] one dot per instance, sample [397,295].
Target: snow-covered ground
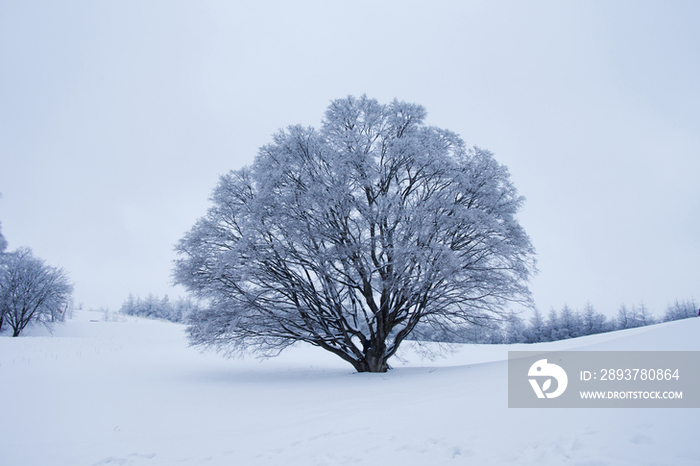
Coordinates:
[134,393]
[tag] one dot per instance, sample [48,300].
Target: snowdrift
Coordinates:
[133,393]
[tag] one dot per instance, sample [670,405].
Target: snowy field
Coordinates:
[134,393]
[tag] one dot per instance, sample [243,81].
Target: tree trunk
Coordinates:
[377,364]
[373,365]
[374,360]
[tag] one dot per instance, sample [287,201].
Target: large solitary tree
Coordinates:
[347,237]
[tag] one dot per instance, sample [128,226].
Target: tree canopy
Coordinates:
[348,236]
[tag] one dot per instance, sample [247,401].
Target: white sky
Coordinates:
[116,119]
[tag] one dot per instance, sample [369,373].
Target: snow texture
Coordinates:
[132,393]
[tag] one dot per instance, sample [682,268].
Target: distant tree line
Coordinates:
[30,291]
[557,325]
[156,308]
[681,310]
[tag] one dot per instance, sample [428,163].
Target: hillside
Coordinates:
[134,393]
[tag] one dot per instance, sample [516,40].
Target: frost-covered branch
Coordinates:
[347,237]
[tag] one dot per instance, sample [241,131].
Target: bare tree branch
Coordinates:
[348,237]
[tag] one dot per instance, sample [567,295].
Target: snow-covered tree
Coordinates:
[129,306]
[514,329]
[347,237]
[3,241]
[625,318]
[31,291]
[642,315]
[680,310]
[592,322]
[182,309]
[552,326]
[567,324]
[536,331]
[636,316]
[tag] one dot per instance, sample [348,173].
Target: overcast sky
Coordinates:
[117,118]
